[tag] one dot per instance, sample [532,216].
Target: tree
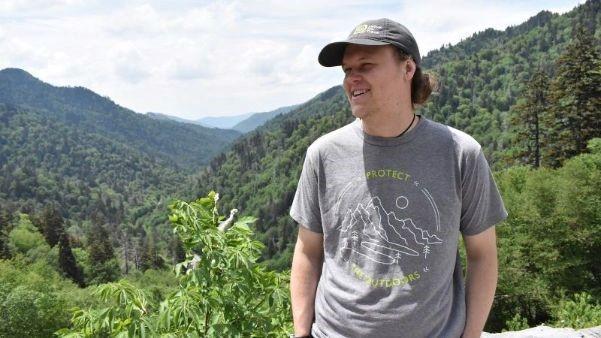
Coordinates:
[67,262]
[575,114]
[150,258]
[52,224]
[526,118]
[103,265]
[5,228]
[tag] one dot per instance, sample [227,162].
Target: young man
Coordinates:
[381,203]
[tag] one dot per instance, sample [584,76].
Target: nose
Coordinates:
[352,76]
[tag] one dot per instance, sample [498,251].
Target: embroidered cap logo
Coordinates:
[372,29]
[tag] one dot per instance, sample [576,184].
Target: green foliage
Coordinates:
[260,172]
[82,152]
[517,323]
[52,224]
[29,313]
[578,313]
[594,146]
[103,266]
[222,291]
[158,283]
[549,245]
[67,262]
[34,299]
[26,239]
[180,145]
[526,118]
[575,114]
[5,228]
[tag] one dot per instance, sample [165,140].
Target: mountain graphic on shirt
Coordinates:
[382,236]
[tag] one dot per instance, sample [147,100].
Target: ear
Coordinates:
[409,68]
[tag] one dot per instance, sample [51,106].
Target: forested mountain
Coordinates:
[44,160]
[185,145]
[481,79]
[483,76]
[259,174]
[95,164]
[258,119]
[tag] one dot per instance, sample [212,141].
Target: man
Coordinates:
[381,203]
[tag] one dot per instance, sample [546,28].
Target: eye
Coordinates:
[367,65]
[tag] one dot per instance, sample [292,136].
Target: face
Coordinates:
[376,82]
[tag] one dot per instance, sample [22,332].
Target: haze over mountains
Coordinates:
[242,123]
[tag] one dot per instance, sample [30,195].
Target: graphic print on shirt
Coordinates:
[371,232]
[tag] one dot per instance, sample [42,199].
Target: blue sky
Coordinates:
[216,58]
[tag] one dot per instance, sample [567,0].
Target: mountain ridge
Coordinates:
[84,109]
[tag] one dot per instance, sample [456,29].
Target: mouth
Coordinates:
[358,92]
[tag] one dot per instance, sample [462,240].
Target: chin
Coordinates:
[360,113]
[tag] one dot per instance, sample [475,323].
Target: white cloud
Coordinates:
[218,57]
[142,20]
[130,65]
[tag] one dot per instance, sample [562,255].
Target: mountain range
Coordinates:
[73,147]
[184,145]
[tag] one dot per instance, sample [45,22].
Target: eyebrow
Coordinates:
[360,59]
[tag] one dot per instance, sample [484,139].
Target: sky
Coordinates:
[193,59]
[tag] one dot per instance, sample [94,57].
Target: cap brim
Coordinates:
[331,55]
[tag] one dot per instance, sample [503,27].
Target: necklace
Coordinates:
[409,126]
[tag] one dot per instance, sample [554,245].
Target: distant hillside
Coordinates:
[45,161]
[258,119]
[224,122]
[258,175]
[185,145]
[160,116]
[481,78]
[95,160]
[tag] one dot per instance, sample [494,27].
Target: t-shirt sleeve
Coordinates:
[305,206]
[481,203]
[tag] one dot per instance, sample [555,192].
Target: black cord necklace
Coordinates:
[410,124]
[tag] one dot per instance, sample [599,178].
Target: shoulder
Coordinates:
[463,143]
[341,137]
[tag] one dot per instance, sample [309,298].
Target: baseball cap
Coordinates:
[372,33]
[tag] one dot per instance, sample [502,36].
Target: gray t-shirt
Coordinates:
[391,210]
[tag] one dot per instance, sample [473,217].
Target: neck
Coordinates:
[390,126]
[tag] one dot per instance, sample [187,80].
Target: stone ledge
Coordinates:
[548,332]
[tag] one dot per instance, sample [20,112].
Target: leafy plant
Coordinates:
[223,291]
[517,323]
[580,312]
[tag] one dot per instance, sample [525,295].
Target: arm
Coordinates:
[304,276]
[481,280]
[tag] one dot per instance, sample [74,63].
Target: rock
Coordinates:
[548,332]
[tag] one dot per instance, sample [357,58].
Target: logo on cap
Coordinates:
[364,28]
